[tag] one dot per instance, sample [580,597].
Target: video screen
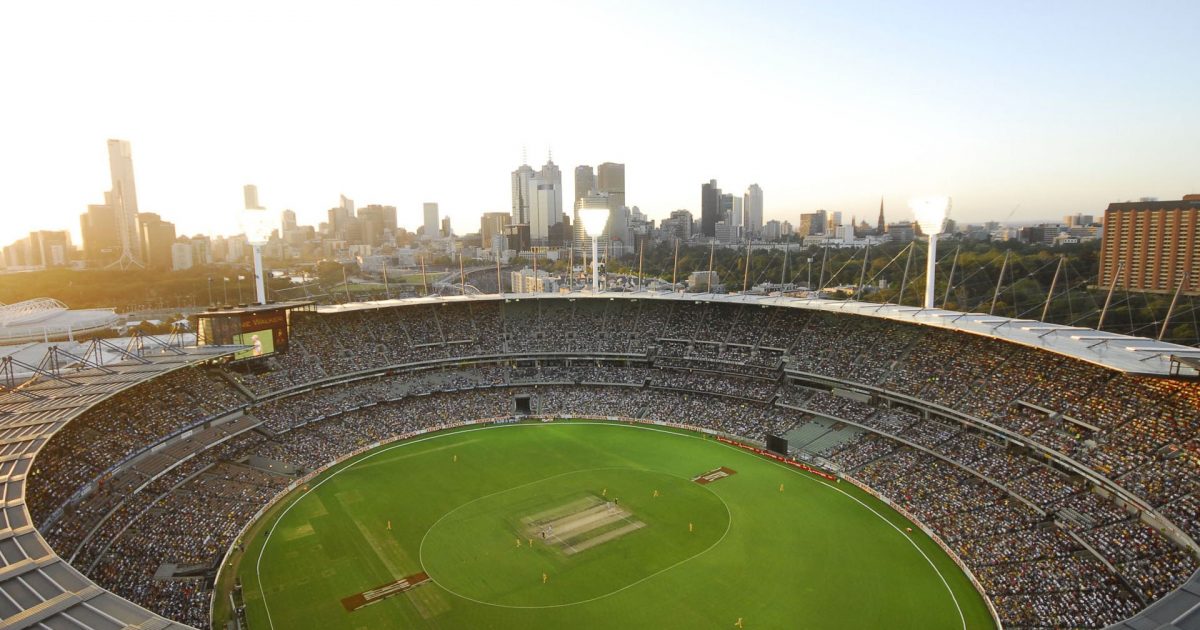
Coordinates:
[261,342]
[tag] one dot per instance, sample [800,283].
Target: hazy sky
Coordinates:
[1022,109]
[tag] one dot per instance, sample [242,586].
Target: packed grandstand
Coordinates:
[1068,489]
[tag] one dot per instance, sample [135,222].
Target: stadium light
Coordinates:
[256,225]
[930,214]
[594,219]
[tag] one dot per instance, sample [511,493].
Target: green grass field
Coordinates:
[621,537]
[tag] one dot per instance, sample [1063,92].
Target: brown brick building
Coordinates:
[1153,243]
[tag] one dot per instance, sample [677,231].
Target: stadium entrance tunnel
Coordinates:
[568,539]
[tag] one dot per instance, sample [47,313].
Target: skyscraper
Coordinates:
[520,194]
[250,192]
[157,238]
[370,223]
[545,202]
[123,199]
[431,220]
[710,208]
[288,220]
[491,225]
[752,204]
[585,183]
[101,243]
[610,179]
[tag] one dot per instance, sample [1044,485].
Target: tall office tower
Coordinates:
[520,194]
[101,243]
[731,206]
[340,223]
[585,184]
[814,223]
[545,202]
[1155,245]
[370,222]
[610,179]
[346,204]
[124,202]
[157,238]
[250,192]
[431,220]
[752,205]
[287,220]
[389,219]
[710,208]
[491,225]
[446,231]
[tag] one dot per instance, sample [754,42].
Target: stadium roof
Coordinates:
[254,308]
[37,588]
[1115,351]
[47,319]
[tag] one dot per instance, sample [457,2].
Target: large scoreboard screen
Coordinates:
[264,329]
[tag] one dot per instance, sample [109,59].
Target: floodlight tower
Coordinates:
[930,214]
[594,217]
[256,223]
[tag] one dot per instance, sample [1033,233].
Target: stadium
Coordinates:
[606,459]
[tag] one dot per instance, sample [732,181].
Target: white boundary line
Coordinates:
[258,562]
[421,550]
[912,542]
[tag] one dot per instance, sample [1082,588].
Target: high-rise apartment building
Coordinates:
[710,208]
[1151,246]
[752,206]
[431,220]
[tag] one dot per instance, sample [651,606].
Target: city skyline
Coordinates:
[1018,112]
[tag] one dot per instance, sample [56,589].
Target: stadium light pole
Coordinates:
[256,224]
[930,214]
[594,218]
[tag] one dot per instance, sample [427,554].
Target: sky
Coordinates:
[1018,110]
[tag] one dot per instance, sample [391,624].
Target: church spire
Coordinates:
[882,225]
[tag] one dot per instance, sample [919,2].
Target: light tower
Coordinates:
[594,216]
[930,214]
[256,223]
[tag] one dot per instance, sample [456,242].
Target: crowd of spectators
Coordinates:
[715,365]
